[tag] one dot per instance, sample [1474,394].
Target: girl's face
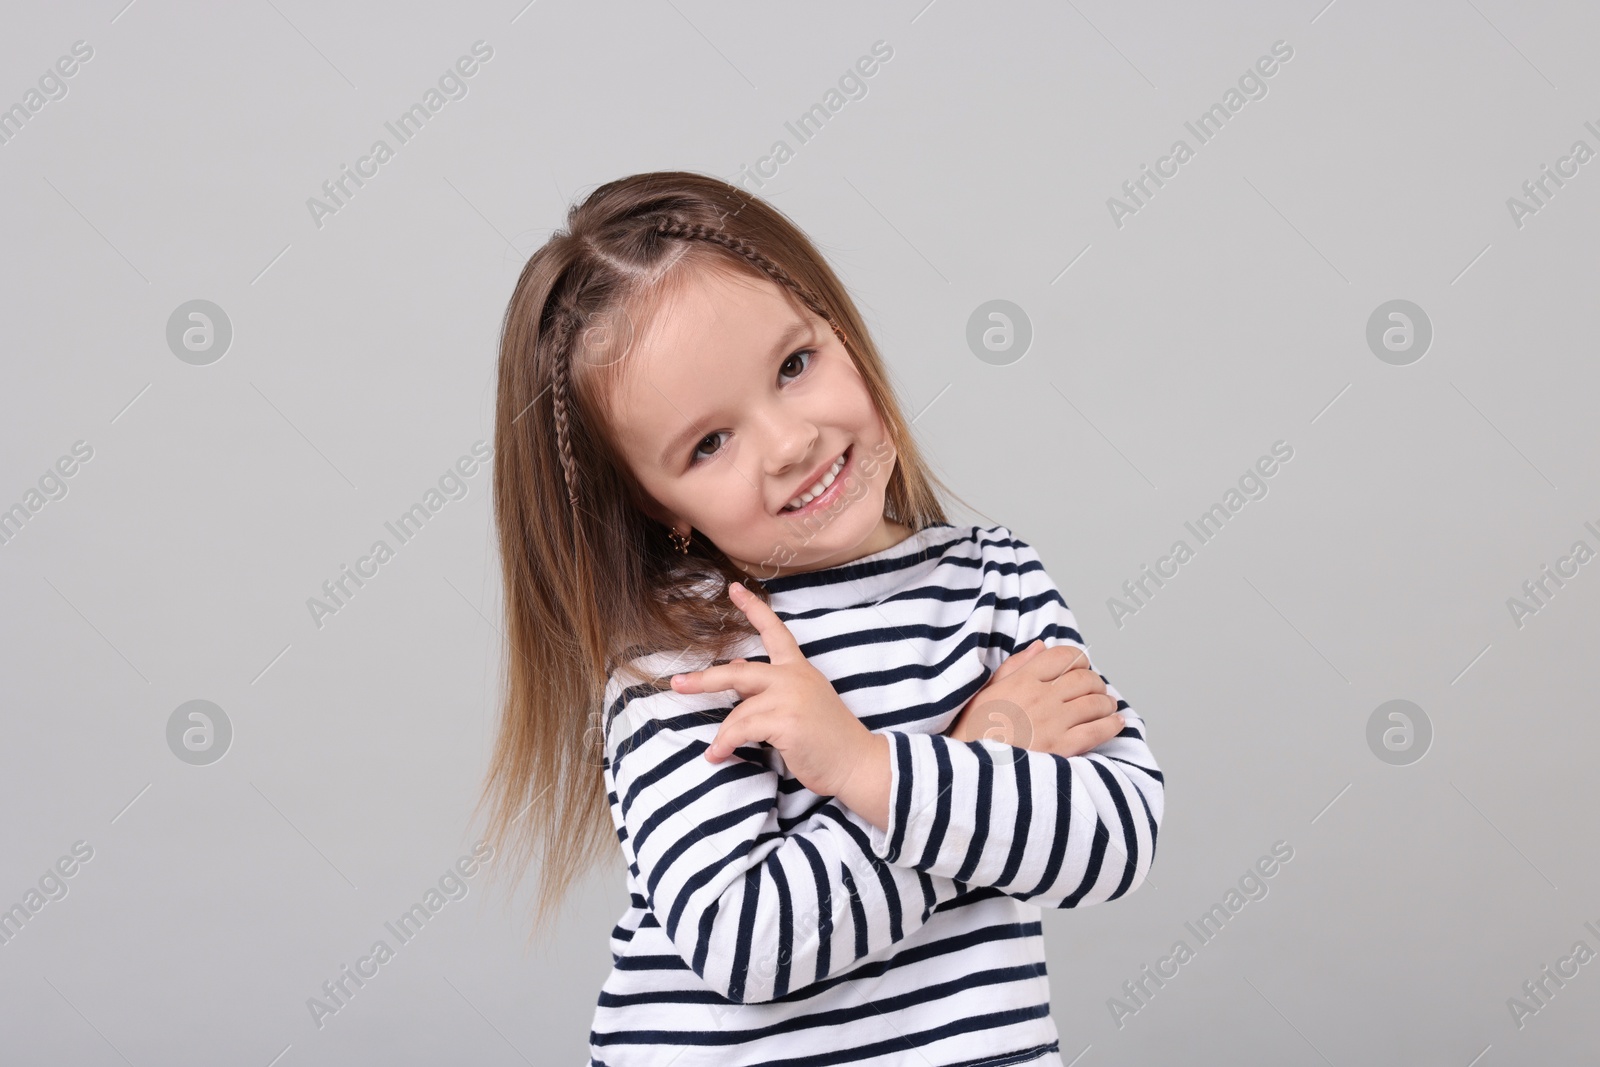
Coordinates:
[737,401]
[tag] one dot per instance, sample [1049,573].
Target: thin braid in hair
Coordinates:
[699,231]
[560,389]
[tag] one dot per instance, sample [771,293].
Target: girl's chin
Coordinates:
[807,547]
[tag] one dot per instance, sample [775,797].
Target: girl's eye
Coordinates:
[697,455]
[806,352]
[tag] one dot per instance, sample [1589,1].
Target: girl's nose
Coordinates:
[788,443]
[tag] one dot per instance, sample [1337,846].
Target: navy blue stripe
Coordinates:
[1019,834]
[854,572]
[858,912]
[1091,871]
[934,594]
[707,917]
[1058,846]
[705,874]
[652,963]
[902,798]
[747,925]
[780,980]
[925,950]
[1025,972]
[689,720]
[891,894]
[1150,818]
[941,807]
[1125,817]
[1139,766]
[824,907]
[929,897]
[1007,1059]
[787,824]
[916,1039]
[730,772]
[687,841]
[980,832]
[655,774]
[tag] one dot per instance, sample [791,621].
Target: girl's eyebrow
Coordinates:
[792,332]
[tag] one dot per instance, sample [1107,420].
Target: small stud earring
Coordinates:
[680,541]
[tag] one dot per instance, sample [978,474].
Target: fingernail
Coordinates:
[677,678]
[735,587]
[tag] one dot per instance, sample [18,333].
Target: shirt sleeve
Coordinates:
[756,904]
[1054,830]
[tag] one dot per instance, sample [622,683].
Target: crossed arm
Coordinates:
[759,910]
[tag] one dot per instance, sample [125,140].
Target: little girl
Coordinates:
[848,749]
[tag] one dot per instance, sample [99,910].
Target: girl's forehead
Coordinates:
[714,287]
[709,316]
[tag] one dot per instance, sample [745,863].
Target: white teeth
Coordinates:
[818,488]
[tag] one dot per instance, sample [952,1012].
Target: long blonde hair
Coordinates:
[590,580]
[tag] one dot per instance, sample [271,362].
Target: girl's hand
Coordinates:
[791,705]
[1043,699]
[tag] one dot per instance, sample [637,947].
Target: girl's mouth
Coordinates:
[827,488]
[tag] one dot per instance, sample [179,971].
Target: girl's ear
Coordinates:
[658,513]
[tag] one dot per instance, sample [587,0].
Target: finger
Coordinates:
[1090,708]
[742,676]
[780,643]
[1053,662]
[737,729]
[1107,728]
[1091,735]
[1077,683]
[1015,661]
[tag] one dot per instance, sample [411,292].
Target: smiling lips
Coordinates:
[820,486]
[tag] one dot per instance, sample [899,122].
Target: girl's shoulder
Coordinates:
[985,542]
[640,682]
[995,534]
[1002,539]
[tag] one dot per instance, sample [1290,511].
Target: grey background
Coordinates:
[1228,314]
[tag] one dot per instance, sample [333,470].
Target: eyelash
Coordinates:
[696,457]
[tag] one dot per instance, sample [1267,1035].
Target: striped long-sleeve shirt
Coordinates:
[770,925]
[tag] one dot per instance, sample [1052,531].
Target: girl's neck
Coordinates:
[886,535]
